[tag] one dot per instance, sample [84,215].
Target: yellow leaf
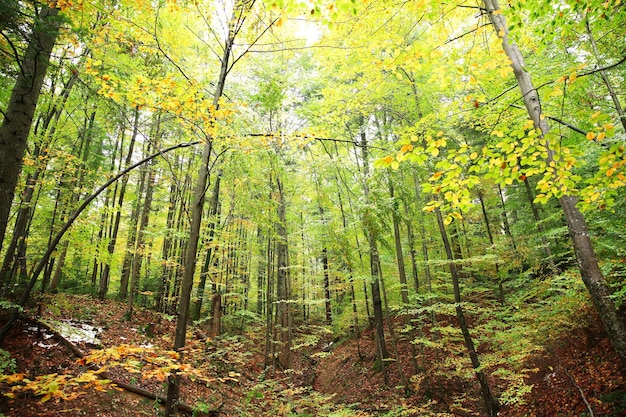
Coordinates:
[406,148]
[591,135]
[571,78]
[436,175]
[601,135]
[473,155]
[497,133]
[395,165]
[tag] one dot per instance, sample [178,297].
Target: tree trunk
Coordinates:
[261,271]
[537,218]
[374,263]
[173,389]
[213,213]
[327,299]
[614,323]
[491,403]
[18,116]
[141,239]
[282,282]
[131,242]
[395,216]
[106,270]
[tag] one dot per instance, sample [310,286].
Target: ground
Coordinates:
[578,375]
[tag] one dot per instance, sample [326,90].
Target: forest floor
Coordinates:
[577,376]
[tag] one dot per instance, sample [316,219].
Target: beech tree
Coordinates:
[592,276]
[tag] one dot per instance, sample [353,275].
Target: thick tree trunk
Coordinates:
[18,116]
[614,322]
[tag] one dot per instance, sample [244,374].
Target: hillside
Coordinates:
[576,375]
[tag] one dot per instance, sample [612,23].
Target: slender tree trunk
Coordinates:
[501,294]
[269,316]
[491,403]
[327,299]
[614,323]
[544,242]
[106,270]
[282,282]
[374,263]
[213,213]
[18,116]
[173,390]
[141,240]
[261,271]
[404,288]
[131,242]
[505,219]
[394,340]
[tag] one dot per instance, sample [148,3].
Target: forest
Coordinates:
[312,208]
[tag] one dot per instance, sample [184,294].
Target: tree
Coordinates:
[18,116]
[614,323]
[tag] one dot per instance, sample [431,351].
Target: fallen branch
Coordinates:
[183,407]
[582,394]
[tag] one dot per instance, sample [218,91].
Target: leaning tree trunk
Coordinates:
[55,241]
[18,116]
[614,323]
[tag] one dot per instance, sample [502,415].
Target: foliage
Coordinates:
[7,364]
